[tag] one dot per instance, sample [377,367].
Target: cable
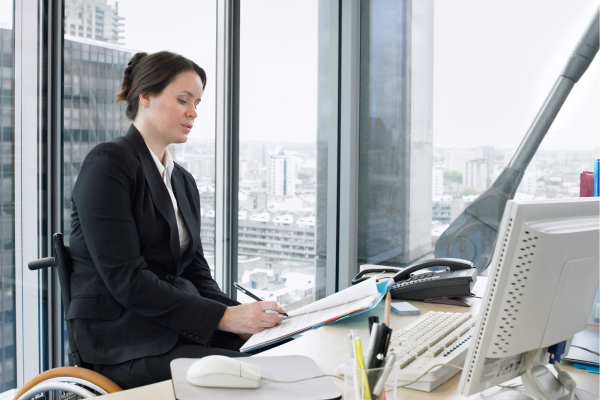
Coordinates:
[583,348]
[505,389]
[304,379]
[529,359]
[565,380]
[425,373]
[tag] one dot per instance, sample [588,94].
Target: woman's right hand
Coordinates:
[251,317]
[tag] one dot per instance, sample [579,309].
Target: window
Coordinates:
[421,166]
[283,149]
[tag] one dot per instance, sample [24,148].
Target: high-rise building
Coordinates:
[8,362]
[281,174]
[437,183]
[201,166]
[455,159]
[92,75]
[528,184]
[475,175]
[260,236]
[94,19]
[488,156]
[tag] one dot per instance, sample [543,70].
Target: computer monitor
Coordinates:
[541,285]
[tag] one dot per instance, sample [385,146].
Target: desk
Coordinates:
[328,346]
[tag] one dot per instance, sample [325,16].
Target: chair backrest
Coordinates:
[65,268]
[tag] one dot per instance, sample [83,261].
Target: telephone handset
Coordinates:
[457,279]
[452,263]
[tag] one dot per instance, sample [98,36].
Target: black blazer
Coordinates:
[133,291]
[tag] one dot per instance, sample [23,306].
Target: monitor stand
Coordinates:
[550,387]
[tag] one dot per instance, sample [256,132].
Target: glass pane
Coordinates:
[100,39]
[284,114]
[482,113]
[391,170]
[8,372]
[438,124]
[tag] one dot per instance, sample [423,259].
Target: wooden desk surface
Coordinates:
[328,346]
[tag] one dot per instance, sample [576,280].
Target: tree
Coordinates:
[303,175]
[453,176]
[468,192]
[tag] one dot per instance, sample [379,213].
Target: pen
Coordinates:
[351,335]
[373,320]
[360,362]
[248,293]
[380,346]
[372,341]
[387,369]
[388,306]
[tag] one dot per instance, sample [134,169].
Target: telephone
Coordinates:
[457,279]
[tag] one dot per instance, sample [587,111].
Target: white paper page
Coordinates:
[355,292]
[299,323]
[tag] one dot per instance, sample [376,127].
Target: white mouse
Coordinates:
[223,372]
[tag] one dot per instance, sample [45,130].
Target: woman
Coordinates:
[142,293]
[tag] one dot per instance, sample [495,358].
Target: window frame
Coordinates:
[28,171]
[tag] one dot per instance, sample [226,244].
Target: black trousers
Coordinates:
[153,369]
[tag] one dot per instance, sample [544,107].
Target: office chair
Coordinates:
[78,378]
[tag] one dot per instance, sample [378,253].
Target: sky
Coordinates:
[494,64]
[496,61]
[278,60]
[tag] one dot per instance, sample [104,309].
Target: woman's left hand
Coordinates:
[245,336]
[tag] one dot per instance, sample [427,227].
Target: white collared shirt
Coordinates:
[184,237]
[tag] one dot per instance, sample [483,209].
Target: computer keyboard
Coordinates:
[436,338]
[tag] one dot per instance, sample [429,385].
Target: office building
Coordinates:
[455,159]
[281,174]
[8,338]
[275,238]
[202,167]
[437,181]
[445,209]
[475,175]
[94,19]
[488,157]
[441,209]
[93,73]
[529,182]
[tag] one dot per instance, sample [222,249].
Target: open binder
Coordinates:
[347,303]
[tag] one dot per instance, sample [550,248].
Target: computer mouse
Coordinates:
[223,372]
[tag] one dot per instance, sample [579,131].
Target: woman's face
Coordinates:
[172,112]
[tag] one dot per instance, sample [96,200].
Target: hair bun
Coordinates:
[136,58]
[128,75]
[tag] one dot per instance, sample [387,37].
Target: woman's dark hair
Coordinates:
[151,74]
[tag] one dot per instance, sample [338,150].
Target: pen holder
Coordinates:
[360,384]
